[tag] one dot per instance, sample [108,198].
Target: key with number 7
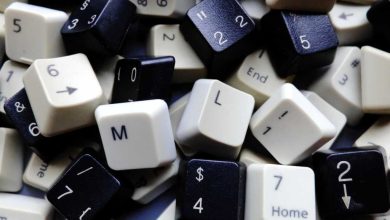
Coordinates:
[278,192]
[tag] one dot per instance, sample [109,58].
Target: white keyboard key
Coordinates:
[288,120]
[163,8]
[11,81]
[64,93]
[20,207]
[350,23]
[11,161]
[5,3]
[257,77]
[301,5]
[136,135]
[377,134]
[375,78]
[216,119]
[167,40]
[2,31]
[176,111]
[249,157]
[169,213]
[275,192]
[256,9]
[340,84]
[33,32]
[157,181]
[42,175]
[337,118]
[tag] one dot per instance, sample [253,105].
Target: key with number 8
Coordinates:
[163,8]
[98,26]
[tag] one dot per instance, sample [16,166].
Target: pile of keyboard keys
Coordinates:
[190,109]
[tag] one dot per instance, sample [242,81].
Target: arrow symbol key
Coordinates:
[345,15]
[346,199]
[69,90]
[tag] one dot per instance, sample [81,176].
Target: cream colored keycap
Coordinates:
[249,157]
[5,3]
[169,213]
[377,134]
[337,118]
[215,119]
[11,161]
[20,207]
[33,32]
[136,135]
[275,192]
[257,77]
[42,175]
[163,8]
[340,84]
[288,120]
[167,40]
[176,111]
[2,30]
[375,78]
[11,81]
[64,93]
[350,23]
[302,5]
[157,181]
[256,9]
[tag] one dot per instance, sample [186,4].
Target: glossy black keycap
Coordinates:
[86,190]
[379,17]
[221,33]
[213,190]
[19,113]
[298,42]
[98,26]
[143,79]
[351,182]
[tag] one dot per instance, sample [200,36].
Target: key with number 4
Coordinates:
[209,193]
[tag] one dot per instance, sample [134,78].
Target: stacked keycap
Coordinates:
[189,109]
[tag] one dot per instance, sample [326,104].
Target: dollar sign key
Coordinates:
[200,176]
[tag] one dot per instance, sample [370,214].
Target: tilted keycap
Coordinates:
[298,42]
[33,32]
[221,38]
[98,26]
[86,190]
[213,190]
[139,79]
[351,181]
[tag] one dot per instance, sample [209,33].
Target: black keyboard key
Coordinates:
[98,27]
[139,79]
[299,42]
[350,182]
[221,33]
[87,191]
[213,190]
